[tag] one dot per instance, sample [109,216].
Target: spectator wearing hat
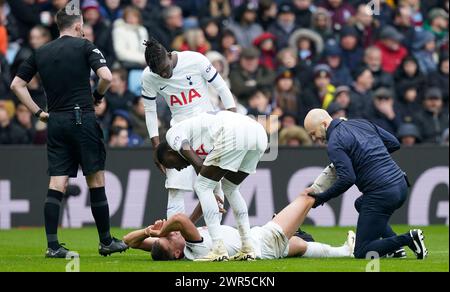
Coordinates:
[284,25]
[308,44]
[245,77]
[434,117]
[424,49]
[408,134]
[169,27]
[408,75]
[440,78]
[373,60]
[403,24]
[102,29]
[304,10]
[392,51]
[322,24]
[340,11]
[340,73]
[382,111]
[122,119]
[342,98]
[336,111]
[286,92]
[128,35]
[320,94]
[266,44]
[352,51]
[438,24]
[294,136]
[361,92]
[245,26]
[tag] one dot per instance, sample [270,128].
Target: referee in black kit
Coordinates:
[74,136]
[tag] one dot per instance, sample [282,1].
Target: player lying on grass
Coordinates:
[179,238]
[234,145]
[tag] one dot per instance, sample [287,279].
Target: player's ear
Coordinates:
[177,254]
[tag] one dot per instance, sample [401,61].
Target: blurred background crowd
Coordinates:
[281,58]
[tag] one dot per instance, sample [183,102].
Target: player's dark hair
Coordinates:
[64,20]
[161,151]
[155,53]
[160,254]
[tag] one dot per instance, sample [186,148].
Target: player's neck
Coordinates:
[69,33]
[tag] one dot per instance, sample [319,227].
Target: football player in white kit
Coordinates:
[235,144]
[179,238]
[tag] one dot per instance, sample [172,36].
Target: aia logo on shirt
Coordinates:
[184,98]
[201,151]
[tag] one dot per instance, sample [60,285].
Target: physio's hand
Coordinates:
[43,117]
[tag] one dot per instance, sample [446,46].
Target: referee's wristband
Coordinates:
[97,95]
[38,113]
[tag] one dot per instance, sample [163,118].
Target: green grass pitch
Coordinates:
[23,250]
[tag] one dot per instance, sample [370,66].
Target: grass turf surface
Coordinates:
[23,250]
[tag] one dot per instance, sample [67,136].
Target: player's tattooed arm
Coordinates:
[192,157]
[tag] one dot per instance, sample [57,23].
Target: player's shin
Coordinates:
[175,203]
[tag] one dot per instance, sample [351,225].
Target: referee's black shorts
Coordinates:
[70,146]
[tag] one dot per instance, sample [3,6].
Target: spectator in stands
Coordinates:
[128,35]
[304,10]
[24,120]
[361,92]
[320,94]
[438,25]
[336,111]
[26,15]
[342,98]
[322,24]
[244,25]
[409,105]
[118,137]
[170,26]
[288,58]
[122,119]
[284,25]
[220,9]
[440,78]
[408,134]
[286,92]
[248,75]
[309,46]
[212,32]
[10,133]
[288,120]
[4,42]
[138,118]
[434,117]
[192,40]
[258,103]
[340,11]
[403,24]
[392,51]
[382,111]
[424,49]
[267,13]
[294,136]
[118,96]
[221,65]
[373,61]
[111,10]
[5,79]
[103,117]
[150,13]
[408,75]
[266,44]
[341,75]
[352,51]
[228,46]
[365,25]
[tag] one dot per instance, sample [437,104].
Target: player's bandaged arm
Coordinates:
[151,119]
[345,175]
[224,92]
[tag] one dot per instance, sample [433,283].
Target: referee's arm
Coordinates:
[24,75]
[97,63]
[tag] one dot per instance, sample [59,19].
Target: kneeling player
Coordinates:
[178,237]
[235,144]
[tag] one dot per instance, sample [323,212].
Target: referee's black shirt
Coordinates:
[64,66]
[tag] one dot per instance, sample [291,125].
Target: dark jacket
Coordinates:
[382,79]
[243,83]
[360,152]
[359,102]
[375,116]
[433,126]
[441,80]
[13,134]
[404,81]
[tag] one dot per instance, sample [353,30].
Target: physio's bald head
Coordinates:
[316,124]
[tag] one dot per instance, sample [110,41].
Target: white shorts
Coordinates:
[181,180]
[239,148]
[269,241]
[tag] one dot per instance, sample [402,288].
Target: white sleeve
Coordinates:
[149,97]
[213,77]
[325,180]
[175,137]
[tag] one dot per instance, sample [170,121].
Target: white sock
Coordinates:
[240,210]
[219,192]
[175,202]
[204,188]
[320,250]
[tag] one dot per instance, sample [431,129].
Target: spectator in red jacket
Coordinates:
[392,52]
[266,44]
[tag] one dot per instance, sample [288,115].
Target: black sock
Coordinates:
[100,211]
[51,217]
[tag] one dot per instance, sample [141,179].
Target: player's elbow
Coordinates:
[105,74]
[179,218]
[128,240]
[16,84]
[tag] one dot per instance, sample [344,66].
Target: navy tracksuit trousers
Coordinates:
[373,233]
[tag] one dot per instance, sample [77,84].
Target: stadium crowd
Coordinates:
[281,58]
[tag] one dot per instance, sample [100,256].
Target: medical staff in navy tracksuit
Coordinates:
[360,152]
